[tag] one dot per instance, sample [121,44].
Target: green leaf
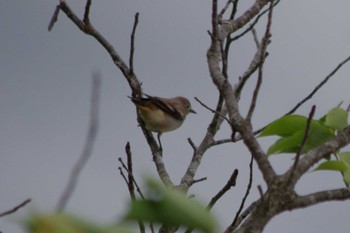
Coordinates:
[337,118]
[172,208]
[332,166]
[345,157]
[59,223]
[286,144]
[285,126]
[318,134]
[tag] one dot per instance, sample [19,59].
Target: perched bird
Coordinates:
[162,115]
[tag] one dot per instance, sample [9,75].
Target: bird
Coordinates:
[162,115]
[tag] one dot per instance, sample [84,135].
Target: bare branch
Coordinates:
[252,25]
[134,83]
[239,220]
[317,88]
[222,141]
[187,179]
[261,192]
[264,42]
[90,30]
[123,175]
[192,144]
[230,183]
[231,26]
[199,180]
[14,209]
[214,20]
[231,102]
[234,223]
[213,111]
[226,45]
[130,172]
[54,18]
[323,82]
[87,151]
[323,196]
[224,9]
[133,179]
[132,43]
[255,37]
[163,174]
[86,19]
[313,156]
[301,146]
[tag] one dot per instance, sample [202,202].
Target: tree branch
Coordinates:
[313,156]
[87,28]
[234,223]
[89,143]
[187,179]
[319,197]
[237,121]
[264,43]
[301,146]
[132,44]
[230,183]
[14,209]
[323,82]
[233,25]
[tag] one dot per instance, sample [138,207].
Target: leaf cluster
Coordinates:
[291,130]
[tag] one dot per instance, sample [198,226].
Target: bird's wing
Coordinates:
[168,108]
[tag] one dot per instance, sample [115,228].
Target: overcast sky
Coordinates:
[45,85]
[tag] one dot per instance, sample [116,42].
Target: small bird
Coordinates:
[161,114]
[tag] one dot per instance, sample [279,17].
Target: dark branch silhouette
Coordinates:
[14,209]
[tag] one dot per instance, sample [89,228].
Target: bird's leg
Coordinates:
[159,142]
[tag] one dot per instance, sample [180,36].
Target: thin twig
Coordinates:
[123,175]
[134,83]
[234,223]
[14,209]
[222,141]
[199,180]
[255,37]
[132,44]
[228,41]
[255,95]
[234,9]
[244,214]
[261,192]
[224,9]
[252,25]
[212,110]
[133,179]
[130,171]
[87,151]
[262,47]
[230,183]
[86,19]
[308,97]
[302,144]
[54,18]
[214,20]
[192,144]
[323,82]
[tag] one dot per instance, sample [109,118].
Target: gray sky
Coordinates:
[45,82]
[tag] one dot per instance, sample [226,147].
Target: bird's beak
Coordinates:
[192,111]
